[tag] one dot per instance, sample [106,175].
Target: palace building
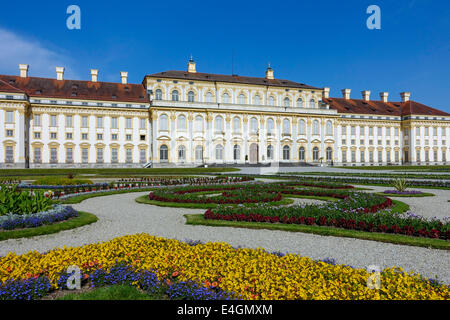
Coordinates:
[188,118]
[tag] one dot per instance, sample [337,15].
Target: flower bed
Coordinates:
[217,269]
[13,201]
[360,211]
[170,181]
[406,192]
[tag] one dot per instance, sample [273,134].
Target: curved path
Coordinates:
[120,215]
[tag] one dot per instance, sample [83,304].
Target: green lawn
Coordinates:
[424,194]
[115,292]
[83,219]
[82,197]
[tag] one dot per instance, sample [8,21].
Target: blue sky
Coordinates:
[320,43]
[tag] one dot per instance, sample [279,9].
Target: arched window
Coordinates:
[302,127]
[316,127]
[181,153]
[219,124]
[181,122]
[286,126]
[271,101]
[236,124]
[312,103]
[287,102]
[329,128]
[241,99]
[198,123]
[236,152]
[299,103]
[329,154]
[269,152]
[219,152]
[253,125]
[163,153]
[286,151]
[301,154]
[158,94]
[315,154]
[270,125]
[257,100]
[191,96]
[199,153]
[175,95]
[209,97]
[164,122]
[225,98]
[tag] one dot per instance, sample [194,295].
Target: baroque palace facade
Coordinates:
[186,118]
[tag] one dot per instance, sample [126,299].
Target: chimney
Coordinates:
[269,73]
[59,73]
[124,76]
[326,92]
[346,93]
[384,96]
[23,70]
[366,95]
[405,96]
[94,75]
[191,66]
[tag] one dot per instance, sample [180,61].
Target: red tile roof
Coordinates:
[173,74]
[6,87]
[77,89]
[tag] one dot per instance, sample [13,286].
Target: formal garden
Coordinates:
[145,266]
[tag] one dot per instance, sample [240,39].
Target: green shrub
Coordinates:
[58,181]
[25,202]
[400,184]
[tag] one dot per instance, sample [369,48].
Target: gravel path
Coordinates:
[120,215]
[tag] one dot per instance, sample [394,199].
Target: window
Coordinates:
[388,131]
[225,98]
[9,117]
[142,137]
[370,131]
[181,153]
[84,122]
[361,131]
[114,153]
[380,156]
[182,123]
[236,124]
[299,103]
[69,155]
[302,127]
[142,156]
[9,133]
[84,155]
[253,125]
[69,121]
[9,154]
[344,156]
[396,156]
[164,123]
[418,155]
[363,159]
[270,152]
[257,100]
[329,154]
[69,135]
[312,103]
[114,123]
[198,123]
[417,131]
[444,159]
[396,132]
[199,153]
[128,123]
[219,124]
[270,125]
[99,122]
[53,135]
[353,142]
[379,133]
[435,132]
[191,96]
[209,97]
[329,128]
[353,156]
[53,155]
[219,152]
[163,153]
[84,136]
[287,102]
[37,155]
[128,137]
[236,152]
[142,123]
[37,135]
[271,101]
[344,141]
[344,130]
[175,95]
[99,136]
[316,127]
[241,99]
[388,142]
[53,120]
[315,154]
[426,131]
[286,151]
[37,120]
[129,155]
[114,136]
[158,94]
[286,126]
[353,130]
[301,154]
[370,142]
[361,142]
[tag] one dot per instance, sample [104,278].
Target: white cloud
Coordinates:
[15,49]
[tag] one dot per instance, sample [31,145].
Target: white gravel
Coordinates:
[120,215]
